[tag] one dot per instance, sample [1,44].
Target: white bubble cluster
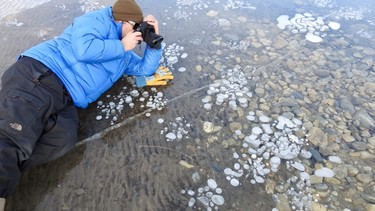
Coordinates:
[314,28]
[237,4]
[112,109]
[90,5]
[209,195]
[177,130]
[324,3]
[232,89]
[350,13]
[171,56]
[269,145]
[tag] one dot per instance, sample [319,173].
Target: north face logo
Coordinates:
[16,126]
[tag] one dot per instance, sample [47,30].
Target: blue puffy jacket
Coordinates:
[89,57]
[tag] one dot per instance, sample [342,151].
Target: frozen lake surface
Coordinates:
[272,108]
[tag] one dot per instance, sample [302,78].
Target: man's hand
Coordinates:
[160,78]
[131,40]
[153,22]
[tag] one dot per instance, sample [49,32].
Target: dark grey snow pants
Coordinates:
[38,121]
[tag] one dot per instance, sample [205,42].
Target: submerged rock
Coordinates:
[365,119]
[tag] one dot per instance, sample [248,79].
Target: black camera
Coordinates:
[148,35]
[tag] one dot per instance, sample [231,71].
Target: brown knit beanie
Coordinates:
[127,10]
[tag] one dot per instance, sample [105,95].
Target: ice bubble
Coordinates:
[148,114]
[258,179]
[134,93]
[160,94]
[250,118]
[275,161]
[254,143]
[313,38]
[266,155]
[267,128]
[171,136]
[237,166]
[112,105]
[211,183]
[295,31]
[305,154]
[288,153]
[204,200]
[182,69]
[227,171]
[230,172]
[252,151]
[206,99]
[243,102]
[238,132]
[298,166]
[324,172]
[184,55]
[334,25]
[219,190]
[234,182]
[209,194]
[217,199]
[172,59]
[233,104]
[191,192]
[297,121]
[304,176]
[145,94]
[324,28]
[283,21]
[265,137]
[212,13]
[256,130]
[160,121]
[191,202]
[99,117]
[264,119]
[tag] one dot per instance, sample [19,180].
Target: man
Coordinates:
[40,92]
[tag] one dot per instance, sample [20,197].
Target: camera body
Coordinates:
[148,35]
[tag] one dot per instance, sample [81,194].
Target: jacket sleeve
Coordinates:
[144,66]
[9,170]
[90,43]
